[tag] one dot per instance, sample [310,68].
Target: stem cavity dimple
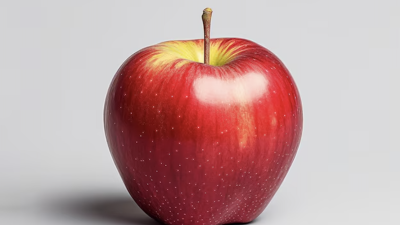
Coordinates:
[207,12]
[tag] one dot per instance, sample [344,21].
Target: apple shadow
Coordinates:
[115,209]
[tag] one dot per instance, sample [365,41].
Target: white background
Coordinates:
[57,59]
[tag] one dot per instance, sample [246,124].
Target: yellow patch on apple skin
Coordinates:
[246,128]
[192,51]
[222,54]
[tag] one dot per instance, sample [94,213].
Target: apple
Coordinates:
[203,143]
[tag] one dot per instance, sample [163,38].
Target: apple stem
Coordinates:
[206,24]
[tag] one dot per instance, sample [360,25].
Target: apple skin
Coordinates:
[203,144]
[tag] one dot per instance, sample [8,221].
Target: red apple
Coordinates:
[203,144]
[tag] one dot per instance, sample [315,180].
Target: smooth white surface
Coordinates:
[58,58]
